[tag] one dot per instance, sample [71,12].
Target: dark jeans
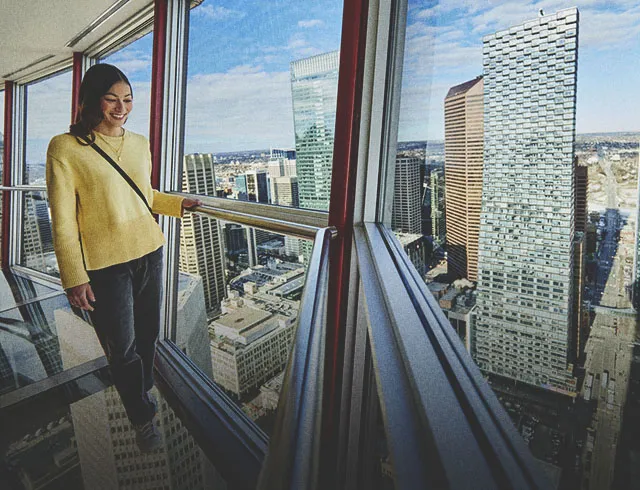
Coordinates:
[126,318]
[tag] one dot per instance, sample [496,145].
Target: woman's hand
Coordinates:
[79,296]
[190,203]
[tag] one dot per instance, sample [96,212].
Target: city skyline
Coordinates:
[253,79]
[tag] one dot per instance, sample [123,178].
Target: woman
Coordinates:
[108,245]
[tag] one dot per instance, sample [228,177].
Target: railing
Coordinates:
[293,456]
[301,223]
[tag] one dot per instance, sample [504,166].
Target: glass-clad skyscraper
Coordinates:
[526,259]
[314,88]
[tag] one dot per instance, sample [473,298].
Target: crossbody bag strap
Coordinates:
[122,173]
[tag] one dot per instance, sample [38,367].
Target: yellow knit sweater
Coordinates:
[97,219]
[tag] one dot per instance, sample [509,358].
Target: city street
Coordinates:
[609,349]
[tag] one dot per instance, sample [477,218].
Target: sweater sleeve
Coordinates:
[167,204]
[164,203]
[64,224]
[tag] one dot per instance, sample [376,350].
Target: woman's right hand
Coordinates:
[79,296]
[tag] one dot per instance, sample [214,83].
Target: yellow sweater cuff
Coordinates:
[167,204]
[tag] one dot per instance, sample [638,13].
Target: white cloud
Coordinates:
[310,23]
[131,62]
[244,108]
[49,107]
[214,12]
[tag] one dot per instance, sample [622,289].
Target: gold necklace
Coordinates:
[117,151]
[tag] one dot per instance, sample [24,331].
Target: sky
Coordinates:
[238,80]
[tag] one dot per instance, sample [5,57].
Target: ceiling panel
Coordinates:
[34,33]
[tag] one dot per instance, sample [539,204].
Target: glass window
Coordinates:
[135,62]
[48,113]
[239,292]
[37,239]
[261,96]
[508,194]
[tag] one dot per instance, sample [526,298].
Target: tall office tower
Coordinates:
[406,217]
[287,153]
[526,256]
[580,328]
[284,191]
[104,437]
[463,156]
[32,247]
[314,88]
[437,193]
[257,186]
[282,167]
[240,189]
[200,238]
[275,167]
[44,222]
[582,186]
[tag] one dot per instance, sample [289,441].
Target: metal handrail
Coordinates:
[24,188]
[301,223]
[294,448]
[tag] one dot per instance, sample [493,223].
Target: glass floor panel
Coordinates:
[41,339]
[77,437]
[16,289]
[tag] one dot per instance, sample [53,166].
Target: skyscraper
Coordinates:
[32,246]
[406,216]
[436,191]
[526,256]
[463,156]
[257,186]
[284,191]
[314,88]
[200,243]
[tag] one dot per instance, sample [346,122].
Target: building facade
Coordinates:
[284,191]
[406,215]
[201,251]
[463,150]
[314,88]
[526,255]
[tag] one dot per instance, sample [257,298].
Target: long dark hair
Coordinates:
[96,82]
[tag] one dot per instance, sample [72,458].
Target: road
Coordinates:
[609,353]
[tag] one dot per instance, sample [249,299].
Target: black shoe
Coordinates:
[148,437]
[152,399]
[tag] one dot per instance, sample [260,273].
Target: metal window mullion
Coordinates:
[390,110]
[430,368]
[503,448]
[407,448]
[174,100]
[17,171]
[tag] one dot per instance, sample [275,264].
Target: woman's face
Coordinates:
[116,105]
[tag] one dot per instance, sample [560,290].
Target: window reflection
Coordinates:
[89,444]
[243,341]
[261,97]
[528,205]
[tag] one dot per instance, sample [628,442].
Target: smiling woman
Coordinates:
[135,60]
